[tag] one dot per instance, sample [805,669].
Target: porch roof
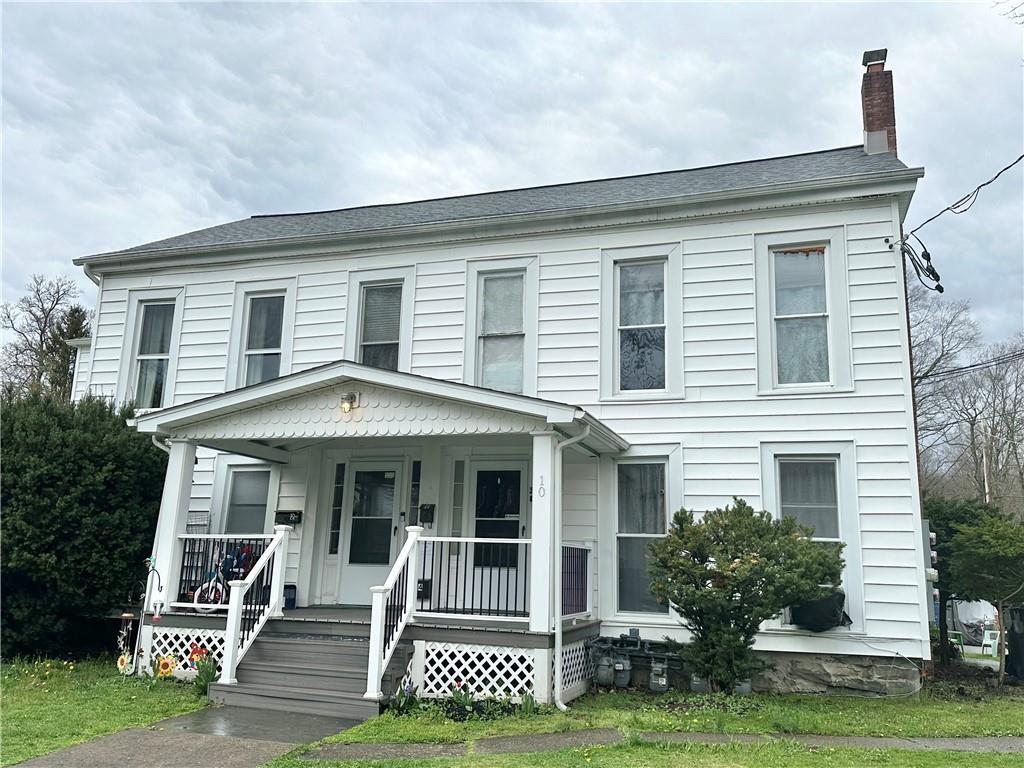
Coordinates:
[308,405]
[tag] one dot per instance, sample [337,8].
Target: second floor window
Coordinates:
[800,315]
[500,338]
[264,321]
[641,325]
[154,354]
[381,325]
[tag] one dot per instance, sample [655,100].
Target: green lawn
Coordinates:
[776,755]
[943,710]
[51,704]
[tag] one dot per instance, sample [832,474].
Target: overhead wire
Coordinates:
[926,273]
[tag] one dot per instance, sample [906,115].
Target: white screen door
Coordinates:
[372,509]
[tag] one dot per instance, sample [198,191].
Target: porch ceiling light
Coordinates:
[349,401]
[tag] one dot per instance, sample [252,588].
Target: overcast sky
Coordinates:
[128,123]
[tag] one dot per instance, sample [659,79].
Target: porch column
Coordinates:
[541,530]
[171,522]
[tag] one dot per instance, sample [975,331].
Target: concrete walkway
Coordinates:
[214,737]
[549,742]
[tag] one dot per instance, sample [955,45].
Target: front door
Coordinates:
[372,507]
[499,512]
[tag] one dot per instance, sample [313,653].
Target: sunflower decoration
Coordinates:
[165,666]
[124,662]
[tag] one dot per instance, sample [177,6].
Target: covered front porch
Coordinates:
[398,499]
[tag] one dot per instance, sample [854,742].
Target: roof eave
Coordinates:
[766,190]
[166,420]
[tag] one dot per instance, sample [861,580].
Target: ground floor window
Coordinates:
[808,492]
[248,491]
[642,518]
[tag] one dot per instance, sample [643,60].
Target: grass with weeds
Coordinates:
[638,755]
[431,727]
[49,704]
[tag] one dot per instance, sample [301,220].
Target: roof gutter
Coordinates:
[115,257]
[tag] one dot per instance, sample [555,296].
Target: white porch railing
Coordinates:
[577,568]
[253,600]
[446,577]
[392,605]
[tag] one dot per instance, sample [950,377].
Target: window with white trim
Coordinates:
[153,353]
[501,336]
[248,498]
[802,312]
[640,309]
[381,325]
[809,493]
[642,519]
[815,483]
[264,328]
[800,309]
[641,323]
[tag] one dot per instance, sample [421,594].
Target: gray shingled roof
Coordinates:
[814,166]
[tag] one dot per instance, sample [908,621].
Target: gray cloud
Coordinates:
[128,123]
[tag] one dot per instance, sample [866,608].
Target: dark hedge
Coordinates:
[80,492]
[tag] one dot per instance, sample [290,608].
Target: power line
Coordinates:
[963,370]
[965,203]
[922,263]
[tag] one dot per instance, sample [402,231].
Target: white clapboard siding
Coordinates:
[718,418]
[579,509]
[438,331]
[320,307]
[569,319]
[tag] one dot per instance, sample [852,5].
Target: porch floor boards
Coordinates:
[360,615]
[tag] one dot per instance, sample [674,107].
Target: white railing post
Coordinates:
[232,630]
[414,531]
[277,577]
[374,672]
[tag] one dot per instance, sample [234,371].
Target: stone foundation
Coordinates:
[839,674]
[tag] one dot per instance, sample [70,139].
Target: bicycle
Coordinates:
[214,591]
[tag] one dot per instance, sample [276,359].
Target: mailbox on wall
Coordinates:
[288,517]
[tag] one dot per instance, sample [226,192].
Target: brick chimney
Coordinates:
[878,105]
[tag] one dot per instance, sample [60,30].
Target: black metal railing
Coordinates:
[575,584]
[256,601]
[205,558]
[394,608]
[474,577]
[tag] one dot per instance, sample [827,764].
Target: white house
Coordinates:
[450,428]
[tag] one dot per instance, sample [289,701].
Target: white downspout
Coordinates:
[557,602]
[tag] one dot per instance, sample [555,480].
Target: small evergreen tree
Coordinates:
[80,492]
[988,564]
[730,571]
[945,518]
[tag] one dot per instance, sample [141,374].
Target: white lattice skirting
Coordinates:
[180,643]
[485,670]
[577,670]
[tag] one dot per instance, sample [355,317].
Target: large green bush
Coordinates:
[730,571]
[80,492]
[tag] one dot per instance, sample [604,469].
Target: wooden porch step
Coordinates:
[344,679]
[295,699]
[309,674]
